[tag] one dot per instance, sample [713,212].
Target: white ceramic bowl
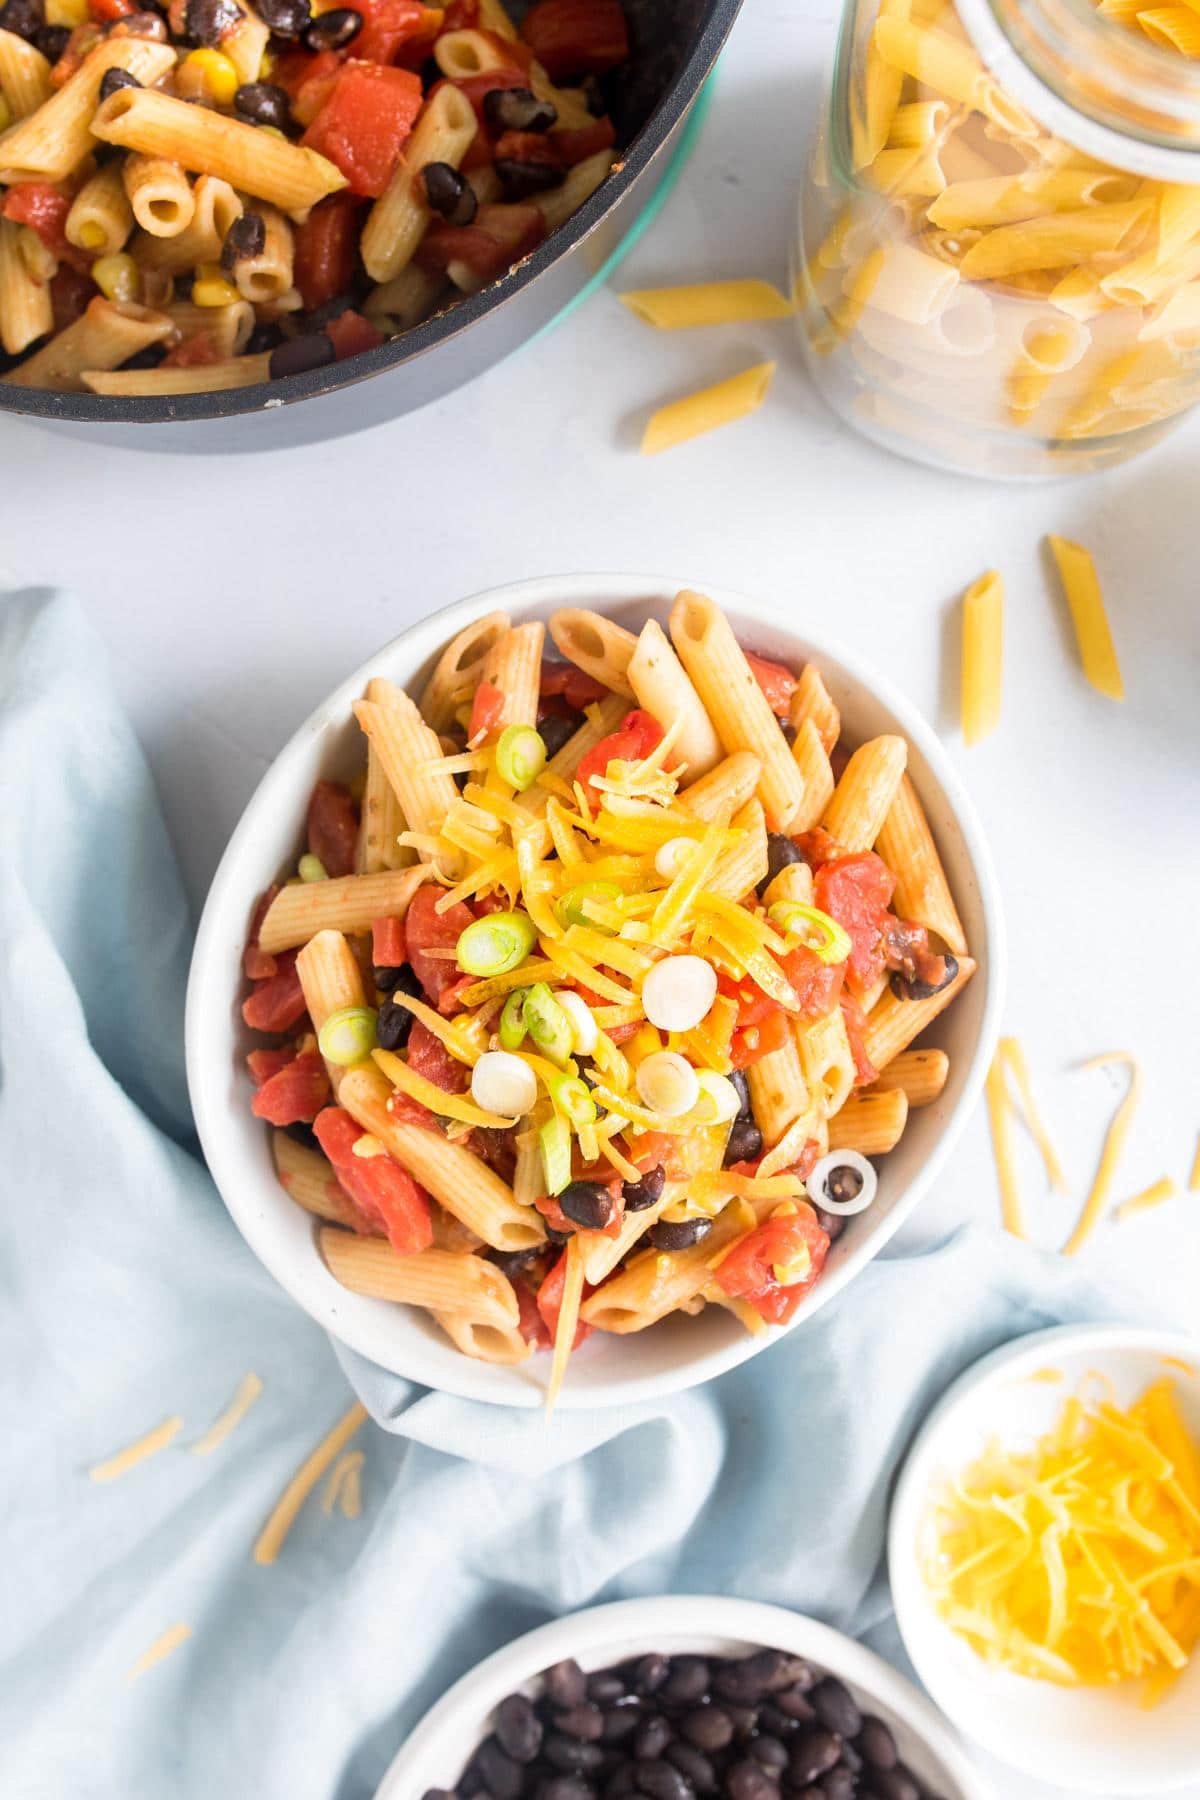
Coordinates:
[679,1352]
[438,1750]
[1096,1740]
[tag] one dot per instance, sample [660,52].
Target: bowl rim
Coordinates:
[912,1487]
[702,1618]
[430,334]
[213,1123]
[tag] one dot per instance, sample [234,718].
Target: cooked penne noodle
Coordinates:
[227,328]
[826,1061]
[331,980]
[919,1074]
[736,704]
[872,1124]
[816,772]
[513,665]
[743,865]
[596,645]
[468,1287]
[348,903]
[922,891]
[215,208]
[308,1178]
[401,216]
[107,334]
[459,668]
[26,312]
[210,143]
[662,687]
[582,180]
[403,302]
[101,218]
[681,420]
[204,378]
[659,1282]
[269,272]
[51,143]
[159,195]
[811,699]
[246,45]
[406,747]
[793,882]
[863,797]
[894,1023]
[485,1340]
[24,75]
[778,1093]
[381,823]
[725,790]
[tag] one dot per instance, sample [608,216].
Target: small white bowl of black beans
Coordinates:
[679,1699]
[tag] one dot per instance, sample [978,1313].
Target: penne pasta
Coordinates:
[872,1124]
[919,1074]
[863,797]
[101,218]
[707,303]
[661,686]
[26,311]
[922,891]
[407,748]
[894,1023]
[24,75]
[51,142]
[204,378]
[982,656]
[159,195]
[348,904]
[107,334]
[596,645]
[723,404]
[466,1287]
[1081,585]
[401,216]
[513,666]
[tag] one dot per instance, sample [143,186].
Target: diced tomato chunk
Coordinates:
[262,1064]
[307,77]
[576,687]
[277,1002]
[426,929]
[350,334]
[752,1269]
[256,964]
[855,890]
[634,738]
[751,1043]
[817,984]
[193,353]
[531,1324]
[70,292]
[388,946]
[577,37]
[294,1093]
[856,1031]
[500,237]
[378,1186]
[529,147]
[326,249]
[578,142]
[387,24]
[43,206]
[428,1056]
[487,709]
[365,122]
[332,827]
[106,10]
[775,679]
[550,1299]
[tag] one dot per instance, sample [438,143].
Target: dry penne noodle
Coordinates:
[707,410]
[469,1287]
[609,947]
[348,903]
[919,1074]
[870,1123]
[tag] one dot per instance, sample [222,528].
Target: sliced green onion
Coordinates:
[496,943]
[572,1100]
[348,1036]
[512,1020]
[520,756]
[554,1141]
[547,1023]
[570,906]
[815,929]
[311,868]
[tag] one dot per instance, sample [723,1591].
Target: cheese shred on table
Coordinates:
[246,1393]
[162,1646]
[287,1508]
[138,1451]
[1077,1561]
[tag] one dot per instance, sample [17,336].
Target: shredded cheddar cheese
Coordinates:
[344,1485]
[1114,1143]
[1154,1195]
[246,1393]
[274,1533]
[138,1451]
[1077,1560]
[162,1647]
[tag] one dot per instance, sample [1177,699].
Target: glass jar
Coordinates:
[999,244]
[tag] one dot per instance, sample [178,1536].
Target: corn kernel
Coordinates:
[91,235]
[215,72]
[67,12]
[211,288]
[6,117]
[116,277]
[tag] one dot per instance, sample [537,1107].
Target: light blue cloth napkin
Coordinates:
[128,1296]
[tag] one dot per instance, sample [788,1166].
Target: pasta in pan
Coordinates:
[619,1041]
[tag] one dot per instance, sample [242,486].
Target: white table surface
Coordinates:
[234,590]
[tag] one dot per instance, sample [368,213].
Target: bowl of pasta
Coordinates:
[249,203]
[599,976]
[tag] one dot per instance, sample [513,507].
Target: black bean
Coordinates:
[605,1687]
[208,21]
[453,198]
[769,1751]
[52,40]
[638,1195]
[521,179]
[776,1722]
[567,1787]
[839,1784]
[301,1132]
[594,97]
[794,1703]
[622,1783]
[836,1708]
[709,1728]
[585,1722]
[738,1078]
[744,1143]
[263,103]
[514,1262]
[296,356]
[649,1673]
[662,1782]
[693,1765]
[393,1025]
[877,1744]
[387,980]
[680,1234]
[518,1728]
[745,1679]
[745,1719]
[504,1778]
[266,336]
[750,1781]
[851,1759]
[832,1223]
[556,729]
[814,1755]
[566,1684]
[24,18]
[654,1734]
[589,1205]
[286,18]
[788,730]
[114,79]
[781,852]
[558,1237]
[571,1755]
[245,237]
[921,989]
[333,30]
[516,109]
[690,1676]
[620,1722]
[437,1794]
[895,1784]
